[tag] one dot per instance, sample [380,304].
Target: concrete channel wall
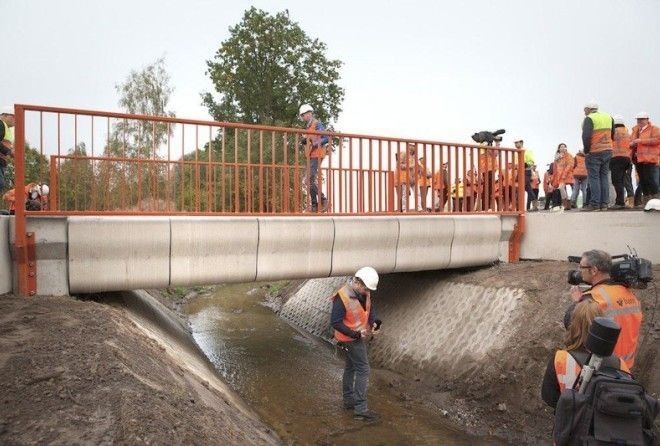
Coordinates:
[100,254]
[461,322]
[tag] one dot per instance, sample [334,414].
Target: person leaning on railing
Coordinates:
[6,141]
[316,147]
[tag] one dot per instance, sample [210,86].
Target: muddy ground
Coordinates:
[80,372]
[75,371]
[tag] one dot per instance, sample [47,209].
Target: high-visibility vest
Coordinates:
[580,167]
[619,303]
[9,132]
[567,369]
[405,169]
[356,317]
[314,149]
[601,137]
[621,146]
[649,151]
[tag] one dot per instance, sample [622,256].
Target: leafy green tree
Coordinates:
[267,68]
[144,92]
[75,181]
[36,168]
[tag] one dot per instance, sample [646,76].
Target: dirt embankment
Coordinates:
[504,399]
[76,372]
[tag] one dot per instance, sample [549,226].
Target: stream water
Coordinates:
[294,381]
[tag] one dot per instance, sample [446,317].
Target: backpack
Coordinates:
[613,410]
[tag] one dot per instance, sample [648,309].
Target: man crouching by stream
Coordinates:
[354,321]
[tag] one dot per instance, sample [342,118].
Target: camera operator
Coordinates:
[615,300]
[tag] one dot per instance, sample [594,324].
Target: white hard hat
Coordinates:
[44,190]
[642,115]
[653,205]
[518,139]
[368,276]
[7,110]
[593,105]
[618,119]
[305,108]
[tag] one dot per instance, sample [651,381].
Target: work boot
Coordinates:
[349,405]
[535,205]
[630,202]
[590,208]
[315,208]
[567,204]
[324,204]
[617,207]
[366,416]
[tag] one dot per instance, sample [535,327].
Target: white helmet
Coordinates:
[642,115]
[304,109]
[593,105]
[618,119]
[44,190]
[653,205]
[7,110]
[518,139]
[368,276]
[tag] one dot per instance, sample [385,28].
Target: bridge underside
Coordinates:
[98,254]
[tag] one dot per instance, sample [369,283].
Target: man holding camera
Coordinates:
[615,300]
[315,151]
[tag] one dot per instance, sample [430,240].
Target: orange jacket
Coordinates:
[621,143]
[536,181]
[356,317]
[620,304]
[563,170]
[568,369]
[648,151]
[579,166]
[547,183]
[488,159]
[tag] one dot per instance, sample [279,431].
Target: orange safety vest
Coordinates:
[619,303]
[405,169]
[563,170]
[621,142]
[601,136]
[535,179]
[579,166]
[313,149]
[648,152]
[568,369]
[356,317]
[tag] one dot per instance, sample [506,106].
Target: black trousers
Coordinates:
[648,174]
[618,167]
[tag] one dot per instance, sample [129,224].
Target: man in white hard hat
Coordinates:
[6,140]
[315,151]
[597,137]
[354,321]
[646,155]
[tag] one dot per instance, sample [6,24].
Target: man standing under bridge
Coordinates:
[354,322]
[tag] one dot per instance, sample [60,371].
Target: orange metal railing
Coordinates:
[102,163]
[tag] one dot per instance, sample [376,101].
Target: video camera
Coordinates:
[631,272]
[488,137]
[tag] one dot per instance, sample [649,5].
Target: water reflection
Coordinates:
[294,381]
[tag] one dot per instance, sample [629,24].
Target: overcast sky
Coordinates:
[435,70]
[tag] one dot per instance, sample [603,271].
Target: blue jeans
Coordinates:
[598,165]
[579,184]
[313,185]
[356,375]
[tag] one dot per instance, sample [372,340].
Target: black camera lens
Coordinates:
[575,277]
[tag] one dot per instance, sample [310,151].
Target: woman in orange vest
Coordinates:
[441,187]
[564,367]
[646,150]
[316,147]
[620,161]
[410,173]
[354,320]
[579,179]
[563,174]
